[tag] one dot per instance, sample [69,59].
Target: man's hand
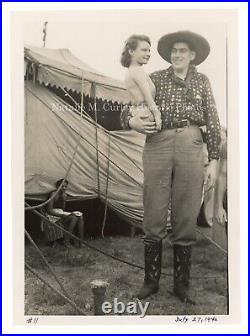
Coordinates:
[142,125]
[158,121]
[211,175]
[220,215]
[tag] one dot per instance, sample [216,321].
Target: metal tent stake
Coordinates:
[99,290]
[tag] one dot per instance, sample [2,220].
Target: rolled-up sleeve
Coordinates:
[212,121]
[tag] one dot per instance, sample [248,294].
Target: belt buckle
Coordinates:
[180,123]
[185,123]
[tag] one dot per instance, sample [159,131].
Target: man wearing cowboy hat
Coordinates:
[173,159]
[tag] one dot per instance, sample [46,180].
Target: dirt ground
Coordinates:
[77,267]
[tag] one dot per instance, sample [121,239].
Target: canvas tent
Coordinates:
[60,68]
[106,165]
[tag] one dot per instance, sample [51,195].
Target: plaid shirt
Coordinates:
[190,99]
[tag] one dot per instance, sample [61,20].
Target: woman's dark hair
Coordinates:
[131,44]
[58,183]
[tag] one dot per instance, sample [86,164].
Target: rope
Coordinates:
[106,193]
[205,236]
[105,253]
[93,88]
[91,246]
[212,241]
[67,172]
[98,168]
[72,303]
[89,118]
[82,96]
[46,262]
[126,155]
[72,99]
[89,143]
[85,113]
[44,203]
[60,186]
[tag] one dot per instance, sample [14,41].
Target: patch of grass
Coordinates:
[78,267]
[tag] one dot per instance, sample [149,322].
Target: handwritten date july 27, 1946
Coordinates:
[196,319]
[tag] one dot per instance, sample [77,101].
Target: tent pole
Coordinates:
[107,186]
[82,96]
[93,89]
[44,33]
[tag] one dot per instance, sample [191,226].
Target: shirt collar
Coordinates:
[190,73]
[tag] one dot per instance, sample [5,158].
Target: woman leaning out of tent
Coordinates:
[68,220]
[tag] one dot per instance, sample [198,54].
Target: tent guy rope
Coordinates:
[103,252]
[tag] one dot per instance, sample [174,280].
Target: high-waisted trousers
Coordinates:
[173,163]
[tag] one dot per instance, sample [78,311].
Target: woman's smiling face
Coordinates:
[141,54]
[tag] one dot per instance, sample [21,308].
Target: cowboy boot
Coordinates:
[182,265]
[152,255]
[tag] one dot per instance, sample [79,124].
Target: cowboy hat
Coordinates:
[195,41]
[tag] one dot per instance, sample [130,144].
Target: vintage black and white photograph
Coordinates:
[125,125]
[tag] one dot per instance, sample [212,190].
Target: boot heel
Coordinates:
[146,291]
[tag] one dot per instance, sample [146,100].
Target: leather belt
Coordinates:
[179,124]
